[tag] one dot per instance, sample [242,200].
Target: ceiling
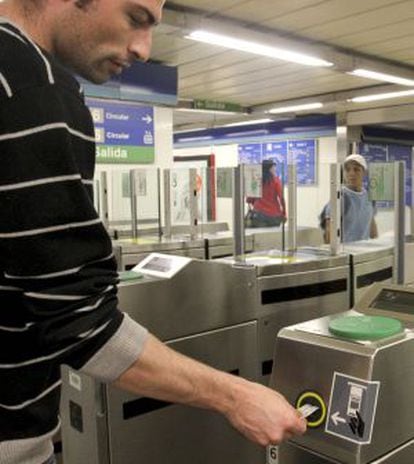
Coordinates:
[375,34]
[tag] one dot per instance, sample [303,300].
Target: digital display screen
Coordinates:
[158,264]
[396,301]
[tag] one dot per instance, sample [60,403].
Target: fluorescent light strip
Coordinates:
[197,110]
[184,131]
[256,48]
[247,123]
[288,109]
[194,139]
[382,77]
[382,96]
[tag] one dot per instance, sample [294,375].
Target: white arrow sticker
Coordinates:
[336,418]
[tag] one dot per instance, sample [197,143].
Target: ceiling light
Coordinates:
[256,48]
[381,77]
[382,96]
[194,139]
[184,131]
[247,123]
[289,109]
[196,110]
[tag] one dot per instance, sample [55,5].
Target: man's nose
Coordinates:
[140,45]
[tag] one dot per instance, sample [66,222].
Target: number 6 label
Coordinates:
[272,455]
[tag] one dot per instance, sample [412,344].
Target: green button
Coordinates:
[365,327]
[129,275]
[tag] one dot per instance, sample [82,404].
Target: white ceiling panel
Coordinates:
[325,14]
[382,30]
[392,12]
[261,11]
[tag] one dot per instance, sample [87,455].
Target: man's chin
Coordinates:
[94,76]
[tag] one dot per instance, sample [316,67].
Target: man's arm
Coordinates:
[259,413]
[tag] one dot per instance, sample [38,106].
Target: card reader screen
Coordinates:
[158,264]
[394,300]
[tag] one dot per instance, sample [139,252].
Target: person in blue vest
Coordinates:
[358,213]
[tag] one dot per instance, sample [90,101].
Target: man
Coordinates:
[358,211]
[57,271]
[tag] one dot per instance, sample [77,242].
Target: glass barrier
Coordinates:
[147,194]
[313,209]
[184,206]
[208,202]
[119,201]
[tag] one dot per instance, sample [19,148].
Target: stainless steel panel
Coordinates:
[306,357]
[84,426]
[302,365]
[222,244]
[205,295]
[368,267]
[293,454]
[182,435]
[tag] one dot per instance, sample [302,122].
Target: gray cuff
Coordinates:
[119,352]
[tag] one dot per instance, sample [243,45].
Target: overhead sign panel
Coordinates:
[217,106]
[124,132]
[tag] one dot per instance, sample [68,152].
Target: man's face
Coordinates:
[99,38]
[354,175]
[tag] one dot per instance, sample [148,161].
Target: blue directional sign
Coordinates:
[124,132]
[303,154]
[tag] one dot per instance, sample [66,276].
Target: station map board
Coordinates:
[388,153]
[303,153]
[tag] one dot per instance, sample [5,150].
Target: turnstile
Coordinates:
[224,313]
[290,288]
[362,388]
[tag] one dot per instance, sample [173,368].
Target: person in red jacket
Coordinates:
[269,210]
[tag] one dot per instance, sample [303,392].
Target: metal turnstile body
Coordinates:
[119,428]
[293,288]
[197,312]
[222,313]
[365,388]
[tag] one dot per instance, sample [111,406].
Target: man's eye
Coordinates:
[138,21]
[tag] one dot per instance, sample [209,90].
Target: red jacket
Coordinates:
[272,202]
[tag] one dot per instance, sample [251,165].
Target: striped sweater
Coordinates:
[58,301]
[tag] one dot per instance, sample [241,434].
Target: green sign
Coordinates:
[381,181]
[124,154]
[217,106]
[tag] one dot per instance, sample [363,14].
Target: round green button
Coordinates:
[365,327]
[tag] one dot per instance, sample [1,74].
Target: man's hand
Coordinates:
[259,413]
[263,415]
